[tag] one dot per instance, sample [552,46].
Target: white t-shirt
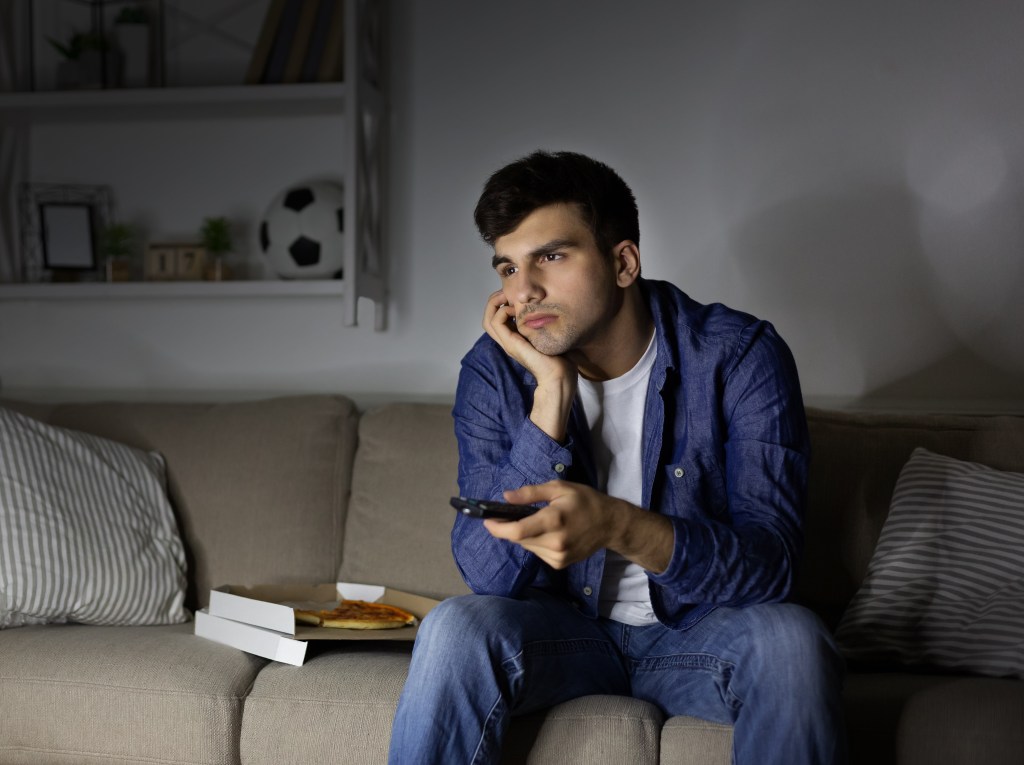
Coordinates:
[615,414]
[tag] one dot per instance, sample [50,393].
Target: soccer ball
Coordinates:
[302,232]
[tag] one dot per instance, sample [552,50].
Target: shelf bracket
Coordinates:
[365,258]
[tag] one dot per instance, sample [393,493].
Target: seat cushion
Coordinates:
[302,714]
[598,730]
[299,714]
[692,741]
[124,694]
[914,719]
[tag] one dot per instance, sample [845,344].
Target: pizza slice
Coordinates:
[357,615]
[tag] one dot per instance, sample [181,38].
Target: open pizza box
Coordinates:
[261,619]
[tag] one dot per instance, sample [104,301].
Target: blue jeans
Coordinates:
[771,671]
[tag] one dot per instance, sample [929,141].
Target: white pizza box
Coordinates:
[246,637]
[261,619]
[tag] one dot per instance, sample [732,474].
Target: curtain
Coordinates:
[13,137]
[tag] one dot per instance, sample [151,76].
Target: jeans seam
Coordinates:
[558,647]
[486,732]
[686,660]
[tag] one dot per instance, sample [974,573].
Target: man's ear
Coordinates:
[627,262]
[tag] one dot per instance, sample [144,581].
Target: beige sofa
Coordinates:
[310,489]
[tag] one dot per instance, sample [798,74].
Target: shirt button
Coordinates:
[559,468]
[680,472]
[588,591]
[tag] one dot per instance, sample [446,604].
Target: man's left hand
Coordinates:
[578,521]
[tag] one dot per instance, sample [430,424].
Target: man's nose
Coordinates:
[527,287]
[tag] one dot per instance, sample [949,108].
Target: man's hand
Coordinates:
[578,521]
[556,375]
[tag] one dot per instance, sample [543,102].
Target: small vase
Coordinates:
[133,42]
[217,270]
[119,270]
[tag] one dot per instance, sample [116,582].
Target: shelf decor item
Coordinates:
[302,234]
[89,61]
[176,261]
[93,44]
[216,237]
[132,36]
[59,224]
[301,41]
[117,246]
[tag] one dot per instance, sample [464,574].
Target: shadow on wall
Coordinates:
[960,376]
[878,289]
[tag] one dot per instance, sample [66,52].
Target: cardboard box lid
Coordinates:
[255,640]
[271,607]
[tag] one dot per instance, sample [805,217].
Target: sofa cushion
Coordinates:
[259,487]
[945,587]
[918,719]
[348,695]
[591,729]
[77,693]
[692,741]
[298,715]
[86,531]
[856,459]
[398,531]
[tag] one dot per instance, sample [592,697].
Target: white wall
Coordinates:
[853,172]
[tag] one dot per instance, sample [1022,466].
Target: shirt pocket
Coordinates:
[695,488]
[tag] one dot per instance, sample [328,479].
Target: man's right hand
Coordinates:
[556,375]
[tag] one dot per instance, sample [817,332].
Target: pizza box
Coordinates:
[261,619]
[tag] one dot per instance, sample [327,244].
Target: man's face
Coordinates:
[562,288]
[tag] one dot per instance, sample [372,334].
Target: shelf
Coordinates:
[269,288]
[170,103]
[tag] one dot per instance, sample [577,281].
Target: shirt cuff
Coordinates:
[538,456]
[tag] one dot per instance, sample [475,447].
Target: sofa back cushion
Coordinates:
[259,488]
[856,459]
[398,530]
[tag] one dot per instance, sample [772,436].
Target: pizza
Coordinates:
[357,615]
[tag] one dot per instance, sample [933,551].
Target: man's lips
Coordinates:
[536,320]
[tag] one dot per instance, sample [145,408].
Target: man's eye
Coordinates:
[506,271]
[549,256]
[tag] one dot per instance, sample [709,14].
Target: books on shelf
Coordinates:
[300,41]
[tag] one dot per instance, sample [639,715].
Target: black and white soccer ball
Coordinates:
[302,231]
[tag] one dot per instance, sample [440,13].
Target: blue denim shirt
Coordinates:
[725,456]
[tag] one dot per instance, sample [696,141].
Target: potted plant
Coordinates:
[116,245]
[216,238]
[89,61]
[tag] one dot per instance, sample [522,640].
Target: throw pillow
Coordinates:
[86,531]
[945,585]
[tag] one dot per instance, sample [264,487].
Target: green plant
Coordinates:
[79,43]
[117,240]
[216,235]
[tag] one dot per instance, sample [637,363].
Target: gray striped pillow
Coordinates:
[945,585]
[86,531]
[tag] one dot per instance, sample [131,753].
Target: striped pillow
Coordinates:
[86,531]
[945,586]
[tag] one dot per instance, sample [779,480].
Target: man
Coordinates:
[666,444]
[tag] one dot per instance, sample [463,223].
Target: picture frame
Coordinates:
[68,234]
[59,227]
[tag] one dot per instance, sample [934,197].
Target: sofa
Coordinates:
[311,489]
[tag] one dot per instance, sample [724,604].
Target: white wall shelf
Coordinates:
[268,288]
[359,100]
[173,103]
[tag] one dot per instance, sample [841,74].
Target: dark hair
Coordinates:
[605,202]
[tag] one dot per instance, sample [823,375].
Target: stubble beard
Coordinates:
[554,343]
